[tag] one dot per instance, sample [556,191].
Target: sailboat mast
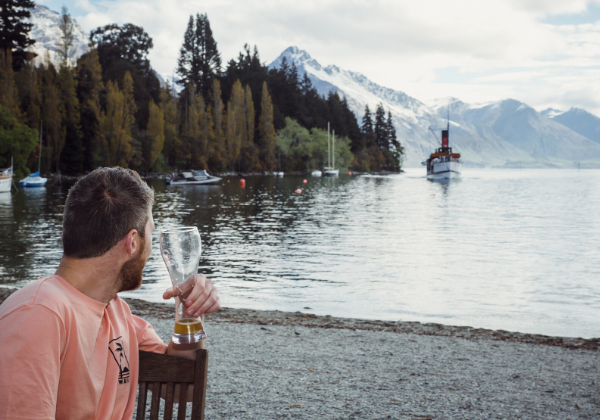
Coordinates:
[333,149]
[40,158]
[328,147]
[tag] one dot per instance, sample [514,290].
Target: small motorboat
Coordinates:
[316,173]
[278,174]
[34,180]
[192,178]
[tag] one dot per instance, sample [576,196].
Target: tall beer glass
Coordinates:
[180,249]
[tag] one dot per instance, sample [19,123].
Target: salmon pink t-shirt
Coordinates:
[64,355]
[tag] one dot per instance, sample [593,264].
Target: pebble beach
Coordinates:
[272,364]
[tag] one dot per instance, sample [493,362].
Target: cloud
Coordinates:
[399,44]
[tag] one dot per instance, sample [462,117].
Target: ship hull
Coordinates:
[444,170]
[5,183]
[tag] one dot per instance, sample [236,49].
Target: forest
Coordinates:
[108,107]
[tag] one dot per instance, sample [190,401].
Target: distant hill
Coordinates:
[578,120]
[504,133]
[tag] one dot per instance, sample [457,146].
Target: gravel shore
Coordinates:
[271,364]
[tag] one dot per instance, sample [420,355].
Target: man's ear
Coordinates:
[132,242]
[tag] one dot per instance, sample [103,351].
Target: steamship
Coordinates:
[443,164]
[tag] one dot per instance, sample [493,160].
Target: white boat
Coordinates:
[33,180]
[192,178]
[330,170]
[6,176]
[278,174]
[443,164]
[316,173]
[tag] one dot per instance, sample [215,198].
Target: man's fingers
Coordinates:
[212,299]
[199,284]
[168,293]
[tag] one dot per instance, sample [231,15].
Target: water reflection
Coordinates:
[498,249]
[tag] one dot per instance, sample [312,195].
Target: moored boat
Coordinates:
[6,176]
[33,180]
[192,178]
[443,163]
[316,173]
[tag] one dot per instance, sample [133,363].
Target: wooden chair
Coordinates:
[164,371]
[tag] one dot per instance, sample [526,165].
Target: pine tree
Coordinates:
[199,59]
[381,134]
[267,129]
[64,48]
[14,31]
[217,148]
[391,131]
[156,130]
[30,95]
[89,87]
[8,89]
[52,115]
[172,142]
[71,158]
[236,123]
[367,122]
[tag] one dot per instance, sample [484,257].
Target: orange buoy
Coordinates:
[305,181]
[298,191]
[350,173]
[242,182]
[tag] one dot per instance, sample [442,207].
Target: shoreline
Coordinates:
[143,308]
[265,317]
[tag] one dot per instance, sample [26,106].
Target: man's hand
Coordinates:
[198,294]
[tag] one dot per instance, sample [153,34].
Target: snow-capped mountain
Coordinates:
[578,120]
[496,134]
[537,138]
[46,33]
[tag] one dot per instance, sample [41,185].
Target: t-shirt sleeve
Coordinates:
[30,372]
[148,340]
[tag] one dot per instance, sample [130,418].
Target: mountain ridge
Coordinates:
[485,134]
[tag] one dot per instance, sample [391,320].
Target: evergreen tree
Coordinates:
[380,129]
[367,122]
[217,149]
[391,131]
[172,142]
[236,127]
[52,116]
[267,130]
[71,157]
[156,130]
[89,88]
[30,95]
[14,30]
[199,59]
[64,48]
[8,89]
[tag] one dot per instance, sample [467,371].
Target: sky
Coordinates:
[545,53]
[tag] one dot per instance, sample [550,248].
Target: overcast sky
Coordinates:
[545,53]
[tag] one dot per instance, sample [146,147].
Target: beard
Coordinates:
[130,275]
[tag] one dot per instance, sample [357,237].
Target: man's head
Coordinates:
[104,208]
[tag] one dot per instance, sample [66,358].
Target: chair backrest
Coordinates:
[169,372]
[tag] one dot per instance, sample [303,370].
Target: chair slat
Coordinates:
[182,401]
[169,401]
[200,384]
[165,368]
[155,401]
[141,408]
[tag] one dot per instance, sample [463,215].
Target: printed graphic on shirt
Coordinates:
[118,351]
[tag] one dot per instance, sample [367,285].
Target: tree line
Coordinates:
[108,108]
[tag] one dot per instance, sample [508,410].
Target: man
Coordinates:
[69,343]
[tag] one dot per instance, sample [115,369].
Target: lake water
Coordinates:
[517,250]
